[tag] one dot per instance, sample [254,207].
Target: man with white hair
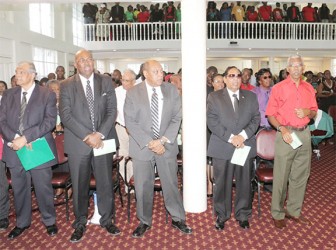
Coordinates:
[291,106]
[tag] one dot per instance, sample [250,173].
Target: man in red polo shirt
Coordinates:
[246,78]
[308,13]
[265,12]
[291,106]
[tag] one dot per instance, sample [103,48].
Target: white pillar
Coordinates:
[271,63]
[194,104]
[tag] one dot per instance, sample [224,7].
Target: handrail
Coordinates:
[167,31]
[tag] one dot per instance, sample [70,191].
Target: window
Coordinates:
[77,24]
[41,18]
[100,66]
[333,67]
[45,61]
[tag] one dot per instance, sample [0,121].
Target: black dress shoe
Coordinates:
[219,224]
[180,225]
[140,230]
[78,234]
[17,231]
[4,223]
[112,229]
[52,230]
[244,224]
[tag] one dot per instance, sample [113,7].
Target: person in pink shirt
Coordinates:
[246,77]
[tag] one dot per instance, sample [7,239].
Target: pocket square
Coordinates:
[104,94]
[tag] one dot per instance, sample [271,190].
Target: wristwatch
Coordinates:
[279,128]
[162,142]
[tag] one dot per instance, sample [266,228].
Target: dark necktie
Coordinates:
[235,104]
[22,110]
[266,97]
[155,114]
[89,97]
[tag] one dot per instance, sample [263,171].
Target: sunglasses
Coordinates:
[234,75]
[265,77]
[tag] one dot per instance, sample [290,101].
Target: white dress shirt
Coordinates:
[121,96]
[84,83]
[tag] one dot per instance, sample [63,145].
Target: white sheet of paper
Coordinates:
[296,141]
[109,147]
[240,155]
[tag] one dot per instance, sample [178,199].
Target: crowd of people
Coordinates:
[234,11]
[90,108]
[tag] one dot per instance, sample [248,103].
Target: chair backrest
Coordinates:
[265,143]
[59,140]
[332,112]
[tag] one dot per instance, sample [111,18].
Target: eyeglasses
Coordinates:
[234,76]
[265,77]
[296,65]
[218,81]
[84,60]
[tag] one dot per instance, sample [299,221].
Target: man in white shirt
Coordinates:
[128,81]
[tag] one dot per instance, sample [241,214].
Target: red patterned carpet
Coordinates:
[319,207]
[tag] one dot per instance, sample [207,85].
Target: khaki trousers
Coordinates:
[292,169]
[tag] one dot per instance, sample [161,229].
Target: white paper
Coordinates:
[109,147]
[296,141]
[240,155]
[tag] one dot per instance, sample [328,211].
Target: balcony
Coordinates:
[223,38]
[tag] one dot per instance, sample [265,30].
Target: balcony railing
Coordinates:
[215,30]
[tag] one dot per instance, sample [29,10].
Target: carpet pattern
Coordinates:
[319,208]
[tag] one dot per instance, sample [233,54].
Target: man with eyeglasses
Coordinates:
[263,91]
[233,118]
[291,106]
[153,113]
[88,108]
[127,81]
[28,112]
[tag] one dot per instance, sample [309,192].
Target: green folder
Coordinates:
[38,155]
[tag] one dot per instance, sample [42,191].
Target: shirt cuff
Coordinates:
[101,135]
[243,134]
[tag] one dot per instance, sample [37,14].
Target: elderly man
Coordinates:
[233,118]
[28,112]
[88,108]
[291,106]
[128,81]
[153,116]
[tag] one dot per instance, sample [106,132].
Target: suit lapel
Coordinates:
[228,102]
[80,94]
[97,86]
[165,94]
[144,97]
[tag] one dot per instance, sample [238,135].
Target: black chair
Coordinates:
[62,179]
[265,140]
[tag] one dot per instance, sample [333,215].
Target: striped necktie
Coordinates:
[155,114]
[89,97]
[22,110]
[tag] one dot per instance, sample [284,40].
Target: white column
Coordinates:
[194,104]
[271,63]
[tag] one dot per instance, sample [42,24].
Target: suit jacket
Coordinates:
[139,123]
[39,120]
[75,113]
[222,123]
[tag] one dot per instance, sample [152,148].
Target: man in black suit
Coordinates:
[27,113]
[88,108]
[233,118]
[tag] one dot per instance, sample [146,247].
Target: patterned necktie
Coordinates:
[89,97]
[235,104]
[155,114]
[22,110]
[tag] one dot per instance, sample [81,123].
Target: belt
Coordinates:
[117,123]
[296,128]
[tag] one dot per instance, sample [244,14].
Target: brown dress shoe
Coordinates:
[279,224]
[299,219]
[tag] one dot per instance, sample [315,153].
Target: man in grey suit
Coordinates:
[153,115]
[233,118]
[27,113]
[88,108]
